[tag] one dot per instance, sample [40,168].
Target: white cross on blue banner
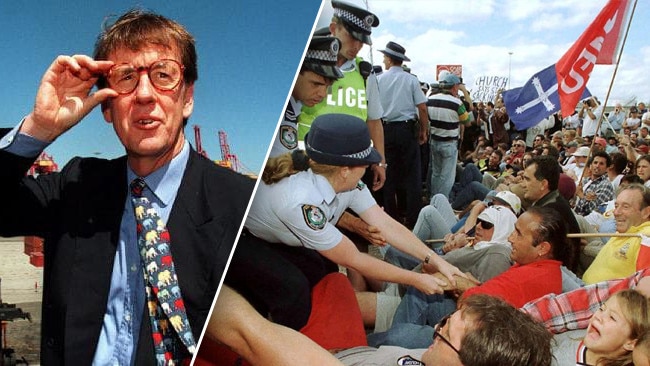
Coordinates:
[536,100]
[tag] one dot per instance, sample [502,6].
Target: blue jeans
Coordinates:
[444,155]
[414,320]
[473,191]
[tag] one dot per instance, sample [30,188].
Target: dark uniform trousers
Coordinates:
[403,174]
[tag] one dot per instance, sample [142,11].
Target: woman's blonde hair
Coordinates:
[288,164]
[634,308]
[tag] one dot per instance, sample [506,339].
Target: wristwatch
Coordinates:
[383,165]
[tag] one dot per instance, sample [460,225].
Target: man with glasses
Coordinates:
[102,303]
[483,331]
[516,155]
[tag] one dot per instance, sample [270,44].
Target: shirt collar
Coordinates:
[164,182]
[323,186]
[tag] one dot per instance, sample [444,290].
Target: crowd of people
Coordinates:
[487,235]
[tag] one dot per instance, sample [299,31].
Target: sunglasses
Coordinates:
[484,224]
[436,333]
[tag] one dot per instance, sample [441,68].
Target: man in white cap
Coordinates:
[574,169]
[446,114]
[404,104]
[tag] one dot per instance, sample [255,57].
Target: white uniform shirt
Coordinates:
[286,138]
[301,210]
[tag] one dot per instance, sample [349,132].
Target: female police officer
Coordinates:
[290,239]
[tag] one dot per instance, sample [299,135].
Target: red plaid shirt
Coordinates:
[572,310]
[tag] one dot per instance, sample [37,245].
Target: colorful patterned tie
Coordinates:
[164,298]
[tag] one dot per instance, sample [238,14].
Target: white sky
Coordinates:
[479,34]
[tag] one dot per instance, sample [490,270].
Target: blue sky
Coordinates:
[479,34]
[248,54]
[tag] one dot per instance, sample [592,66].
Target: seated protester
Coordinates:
[580,309]
[642,169]
[438,219]
[494,226]
[484,331]
[291,243]
[538,248]
[616,169]
[612,145]
[483,260]
[622,256]
[572,310]
[237,325]
[574,169]
[492,166]
[605,222]
[595,190]
[610,336]
[541,186]
[566,156]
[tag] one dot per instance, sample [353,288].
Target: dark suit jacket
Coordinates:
[78,212]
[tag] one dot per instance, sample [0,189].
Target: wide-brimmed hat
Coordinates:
[394,50]
[357,21]
[321,57]
[341,140]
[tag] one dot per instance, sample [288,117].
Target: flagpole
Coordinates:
[609,90]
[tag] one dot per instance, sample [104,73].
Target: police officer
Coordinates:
[404,104]
[290,241]
[317,73]
[356,93]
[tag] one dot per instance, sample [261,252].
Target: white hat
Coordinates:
[582,151]
[510,199]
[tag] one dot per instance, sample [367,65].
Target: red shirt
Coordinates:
[523,283]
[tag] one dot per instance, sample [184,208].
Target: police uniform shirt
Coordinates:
[301,210]
[401,103]
[348,95]
[286,139]
[372,102]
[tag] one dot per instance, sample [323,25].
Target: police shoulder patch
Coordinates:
[361,185]
[288,137]
[314,217]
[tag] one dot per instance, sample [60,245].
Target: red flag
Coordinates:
[598,44]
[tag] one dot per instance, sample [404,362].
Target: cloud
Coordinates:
[480,34]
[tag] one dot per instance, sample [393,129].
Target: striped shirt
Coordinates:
[446,112]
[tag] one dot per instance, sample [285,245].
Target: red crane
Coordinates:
[33,245]
[197,141]
[229,160]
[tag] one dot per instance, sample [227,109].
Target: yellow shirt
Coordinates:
[618,258]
